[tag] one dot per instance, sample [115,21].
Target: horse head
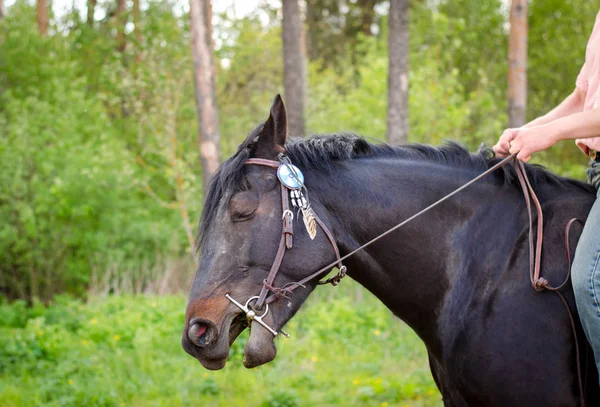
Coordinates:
[240,236]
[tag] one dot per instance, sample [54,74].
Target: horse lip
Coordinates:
[237,324]
[213,364]
[260,348]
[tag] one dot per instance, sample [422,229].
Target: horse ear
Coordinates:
[272,138]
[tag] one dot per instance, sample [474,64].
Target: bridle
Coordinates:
[538,282]
[285,243]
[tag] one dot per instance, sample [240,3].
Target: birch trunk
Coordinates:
[397,114]
[91,9]
[517,64]
[294,67]
[42,17]
[204,84]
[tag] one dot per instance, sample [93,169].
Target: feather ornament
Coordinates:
[308,216]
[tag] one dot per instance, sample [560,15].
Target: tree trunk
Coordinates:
[137,30]
[311,37]
[1,9]
[209,36]
[91,9]
[294,67]
[397,115]
[42,17]
[517,64]
[367,14]
[206,99]
[121,22]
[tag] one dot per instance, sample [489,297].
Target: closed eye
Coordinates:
[243,205]
[243,216]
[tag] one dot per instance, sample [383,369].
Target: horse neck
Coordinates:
[408,269]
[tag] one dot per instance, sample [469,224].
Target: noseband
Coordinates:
[285,243]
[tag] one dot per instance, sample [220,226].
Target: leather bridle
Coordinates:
[285,243]
[538,282]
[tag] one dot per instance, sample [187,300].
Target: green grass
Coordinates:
[125,351]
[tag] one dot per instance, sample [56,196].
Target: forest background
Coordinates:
[101,183]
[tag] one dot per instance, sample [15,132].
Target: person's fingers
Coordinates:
[508,136]
[504,145]
[524,153]
[499,151]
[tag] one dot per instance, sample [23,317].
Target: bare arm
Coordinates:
[579,125]
[576,126]
[571,105]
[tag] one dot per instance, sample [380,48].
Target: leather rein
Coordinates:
[538,282]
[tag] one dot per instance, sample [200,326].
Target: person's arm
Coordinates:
[575,126]
[571,105]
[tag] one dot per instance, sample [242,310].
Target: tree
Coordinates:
[91,9]
[517,64]
[42,17]
[294,67]
[1,9]
[397,115]
[204,81]
[137,22]
[366,15]
[334,27]
[121,18]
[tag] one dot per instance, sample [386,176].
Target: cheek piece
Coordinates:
[292,187]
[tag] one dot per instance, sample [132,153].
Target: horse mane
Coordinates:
[321,152]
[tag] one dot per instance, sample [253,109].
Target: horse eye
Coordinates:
[243,206]
[243,216]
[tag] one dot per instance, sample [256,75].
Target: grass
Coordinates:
[125,351]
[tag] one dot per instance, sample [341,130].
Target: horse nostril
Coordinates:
[200,333]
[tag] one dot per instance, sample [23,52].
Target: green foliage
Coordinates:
[474,41]
[126,351]
[335,28]
[98,148]
[99,159]
[254,76]
[441,108]
[281,398]
[72,190]
[559,31]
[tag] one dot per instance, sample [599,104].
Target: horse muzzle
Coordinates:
[211,327]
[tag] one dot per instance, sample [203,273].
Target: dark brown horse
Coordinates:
[458,275]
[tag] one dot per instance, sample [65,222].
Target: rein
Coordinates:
[538,282]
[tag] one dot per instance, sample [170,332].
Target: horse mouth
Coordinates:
[214,356]
[237,326]
[259,349]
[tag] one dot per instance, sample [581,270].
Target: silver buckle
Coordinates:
[251,314]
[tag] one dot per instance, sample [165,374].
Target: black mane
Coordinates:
[320,152]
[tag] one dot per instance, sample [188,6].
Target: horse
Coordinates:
[457,276]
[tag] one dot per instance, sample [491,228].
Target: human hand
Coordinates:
[503,145]
[527,141]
